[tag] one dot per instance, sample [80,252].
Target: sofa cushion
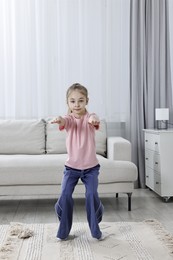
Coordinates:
[56,139]
[23,169]
[22,136]
[47,169]
[116,171]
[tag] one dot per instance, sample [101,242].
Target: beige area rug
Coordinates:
[124,240]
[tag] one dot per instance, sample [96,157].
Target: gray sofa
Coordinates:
[33,153]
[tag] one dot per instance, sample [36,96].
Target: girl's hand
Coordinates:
[94,120]
[58,120]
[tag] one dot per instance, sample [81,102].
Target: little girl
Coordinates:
[81,163]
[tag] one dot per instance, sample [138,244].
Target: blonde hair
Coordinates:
[80,88]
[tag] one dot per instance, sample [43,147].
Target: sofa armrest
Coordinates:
[118,148]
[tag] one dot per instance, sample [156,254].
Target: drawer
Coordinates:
[157,183]
[153,180]
[149,178]
[152,160]
[152,142]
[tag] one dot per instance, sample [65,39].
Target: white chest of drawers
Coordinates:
[159,161]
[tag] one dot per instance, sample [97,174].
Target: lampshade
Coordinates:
[162,113]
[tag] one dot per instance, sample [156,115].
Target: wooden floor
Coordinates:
[145,205]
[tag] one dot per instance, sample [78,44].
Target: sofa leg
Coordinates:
[129,200]
[116,195]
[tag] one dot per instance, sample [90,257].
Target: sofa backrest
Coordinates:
[22,136]
[55,139]
[40,136]
[101,138]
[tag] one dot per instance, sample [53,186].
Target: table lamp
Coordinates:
[162,117]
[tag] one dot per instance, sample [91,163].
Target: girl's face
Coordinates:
[77,103]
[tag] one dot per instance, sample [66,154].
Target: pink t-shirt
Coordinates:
[80,142]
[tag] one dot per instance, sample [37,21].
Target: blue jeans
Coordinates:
[64,206]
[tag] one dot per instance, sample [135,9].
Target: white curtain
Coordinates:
[47,45]
[171,38]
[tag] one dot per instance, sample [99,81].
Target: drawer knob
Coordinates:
[157,182]
[146,141]
[146,158]
[156,163]
[156,143]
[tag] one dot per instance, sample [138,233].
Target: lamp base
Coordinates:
[162,124]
